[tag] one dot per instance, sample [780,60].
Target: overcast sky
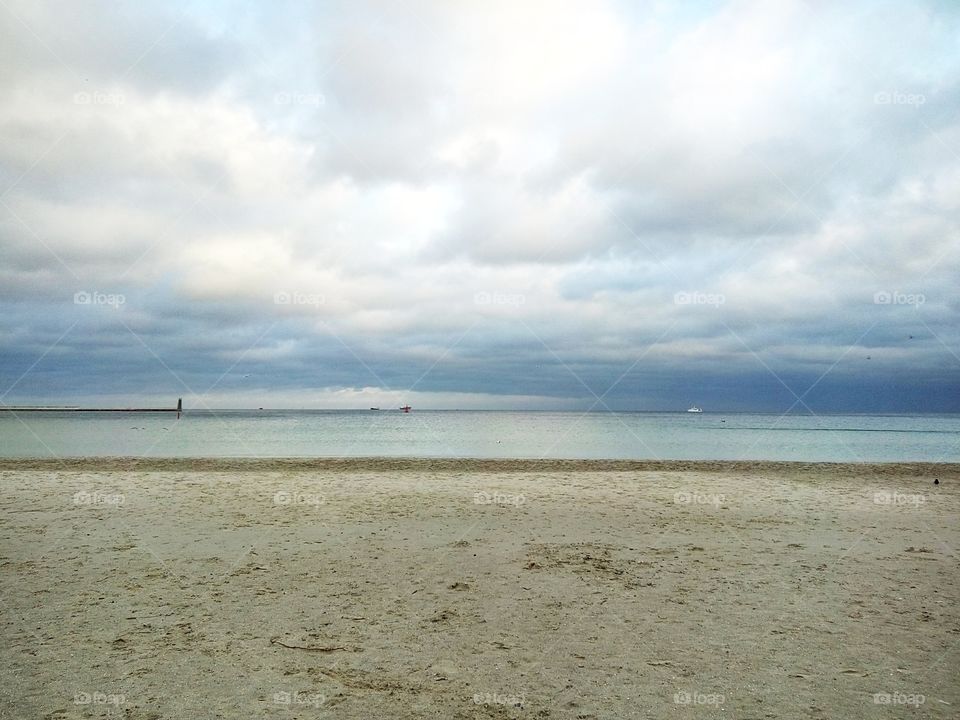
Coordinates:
[747,205]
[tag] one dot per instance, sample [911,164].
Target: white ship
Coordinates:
[695,409]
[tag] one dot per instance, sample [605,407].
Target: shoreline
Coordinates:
[409,588]
[476,465]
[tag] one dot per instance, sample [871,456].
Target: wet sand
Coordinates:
[472,589]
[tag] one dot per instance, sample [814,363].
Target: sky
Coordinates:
[747,205]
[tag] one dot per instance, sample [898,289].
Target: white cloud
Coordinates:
[577,164]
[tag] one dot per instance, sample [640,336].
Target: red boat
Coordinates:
[406,408]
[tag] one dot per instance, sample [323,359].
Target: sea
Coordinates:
[483,434]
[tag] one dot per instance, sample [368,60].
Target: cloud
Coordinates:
[514,204]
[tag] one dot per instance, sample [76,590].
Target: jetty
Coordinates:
[74,408]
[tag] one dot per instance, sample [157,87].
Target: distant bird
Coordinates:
[936,481]
[911,337]
[868,357]
[247,375]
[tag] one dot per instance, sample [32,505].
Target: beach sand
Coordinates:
[478,589]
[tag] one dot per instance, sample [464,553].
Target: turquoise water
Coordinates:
[305,433]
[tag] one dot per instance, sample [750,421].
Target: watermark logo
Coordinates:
[99,698]
[683,497]
[283,497]
[497,298]
[699,298]
[96,498]
[898,498]
[894,97]
[297,298]
[282,697]
[114,300]
[498,699]
[685,697]
[884,297]
[98,98]
[498,498]
[300,98]
[899,698]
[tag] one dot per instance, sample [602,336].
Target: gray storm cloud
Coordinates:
[754,205]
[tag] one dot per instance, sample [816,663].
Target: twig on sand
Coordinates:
[278,641]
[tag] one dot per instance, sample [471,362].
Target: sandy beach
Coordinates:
[478,589]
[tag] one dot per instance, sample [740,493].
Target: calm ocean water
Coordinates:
[317,433]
